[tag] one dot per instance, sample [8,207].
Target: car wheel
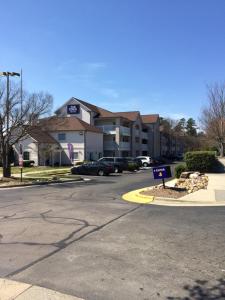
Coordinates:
[101,173]
[145,164]
[116,170]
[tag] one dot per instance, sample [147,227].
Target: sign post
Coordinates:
[21,162]
[162,173]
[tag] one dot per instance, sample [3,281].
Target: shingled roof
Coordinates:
[130,115]
[148,119]
[67,124]
[40,136]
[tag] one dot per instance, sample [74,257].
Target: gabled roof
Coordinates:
[67,124]
[148,119]
[101,111]
[130,115]
[41,136]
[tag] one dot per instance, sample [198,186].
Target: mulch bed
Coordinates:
[168,192]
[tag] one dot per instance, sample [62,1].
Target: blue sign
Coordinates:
[161,172]
[73,109]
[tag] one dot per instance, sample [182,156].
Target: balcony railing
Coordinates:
[109,129]
[125,131]
[124,146]
[110,145]
[144,135]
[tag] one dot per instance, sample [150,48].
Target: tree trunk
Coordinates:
[6,165]
[221,149]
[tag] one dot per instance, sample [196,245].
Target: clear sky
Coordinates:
[155,56]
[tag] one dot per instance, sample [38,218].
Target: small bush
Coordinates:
[179,169]
[79,163]
[132,167]
[201,161]
[28,163]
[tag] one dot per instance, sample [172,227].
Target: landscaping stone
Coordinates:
[195,182]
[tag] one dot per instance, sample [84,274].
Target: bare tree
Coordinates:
[17,117]
[213,115]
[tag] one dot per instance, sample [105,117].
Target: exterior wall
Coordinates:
[136,147]
[84,114]
[153,140]
[29,145]
[76,138]
[94,145]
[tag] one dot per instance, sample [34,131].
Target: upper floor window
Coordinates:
[61,136]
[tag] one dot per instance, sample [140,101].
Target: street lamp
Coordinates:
[7,74]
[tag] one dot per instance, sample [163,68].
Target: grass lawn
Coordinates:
[52,170]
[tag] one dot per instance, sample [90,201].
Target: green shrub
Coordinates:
[132,167]
[202,161]
[179,169]
[28,163]
[79,163]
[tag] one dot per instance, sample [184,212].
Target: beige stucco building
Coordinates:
[82,131]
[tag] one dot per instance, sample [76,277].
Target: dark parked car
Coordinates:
[118,163]
[93,168]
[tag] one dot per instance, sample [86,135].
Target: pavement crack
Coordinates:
[62,244]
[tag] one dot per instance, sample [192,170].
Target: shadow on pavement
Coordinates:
[203,290]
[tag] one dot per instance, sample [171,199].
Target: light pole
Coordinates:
[7,74]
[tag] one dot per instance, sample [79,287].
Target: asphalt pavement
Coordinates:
[83,239]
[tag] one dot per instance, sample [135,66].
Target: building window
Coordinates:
[144,141]
[26,155]
[75,155]
[126,139]
[61,136]
[137,139]
[137,153]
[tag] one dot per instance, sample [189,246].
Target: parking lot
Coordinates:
[84,240]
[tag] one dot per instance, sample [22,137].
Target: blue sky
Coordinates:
[153,56]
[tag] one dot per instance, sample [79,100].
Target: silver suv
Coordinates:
[146,160]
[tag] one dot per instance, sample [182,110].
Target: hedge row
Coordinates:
[200,161]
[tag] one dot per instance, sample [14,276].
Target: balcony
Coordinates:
[124,146]
[137,132]
[108,129]
[144,147]
[125,131]
[144,135]
[110,145]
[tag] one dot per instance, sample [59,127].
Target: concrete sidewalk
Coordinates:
[215,191]
[10,290]
[214,195]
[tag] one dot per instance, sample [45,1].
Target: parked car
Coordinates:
[119,163]
[146,160]
[93,168]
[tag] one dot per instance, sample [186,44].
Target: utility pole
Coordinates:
[7,74]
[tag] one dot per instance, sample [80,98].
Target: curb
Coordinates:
[137,197]
[41,183]
[10,289]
